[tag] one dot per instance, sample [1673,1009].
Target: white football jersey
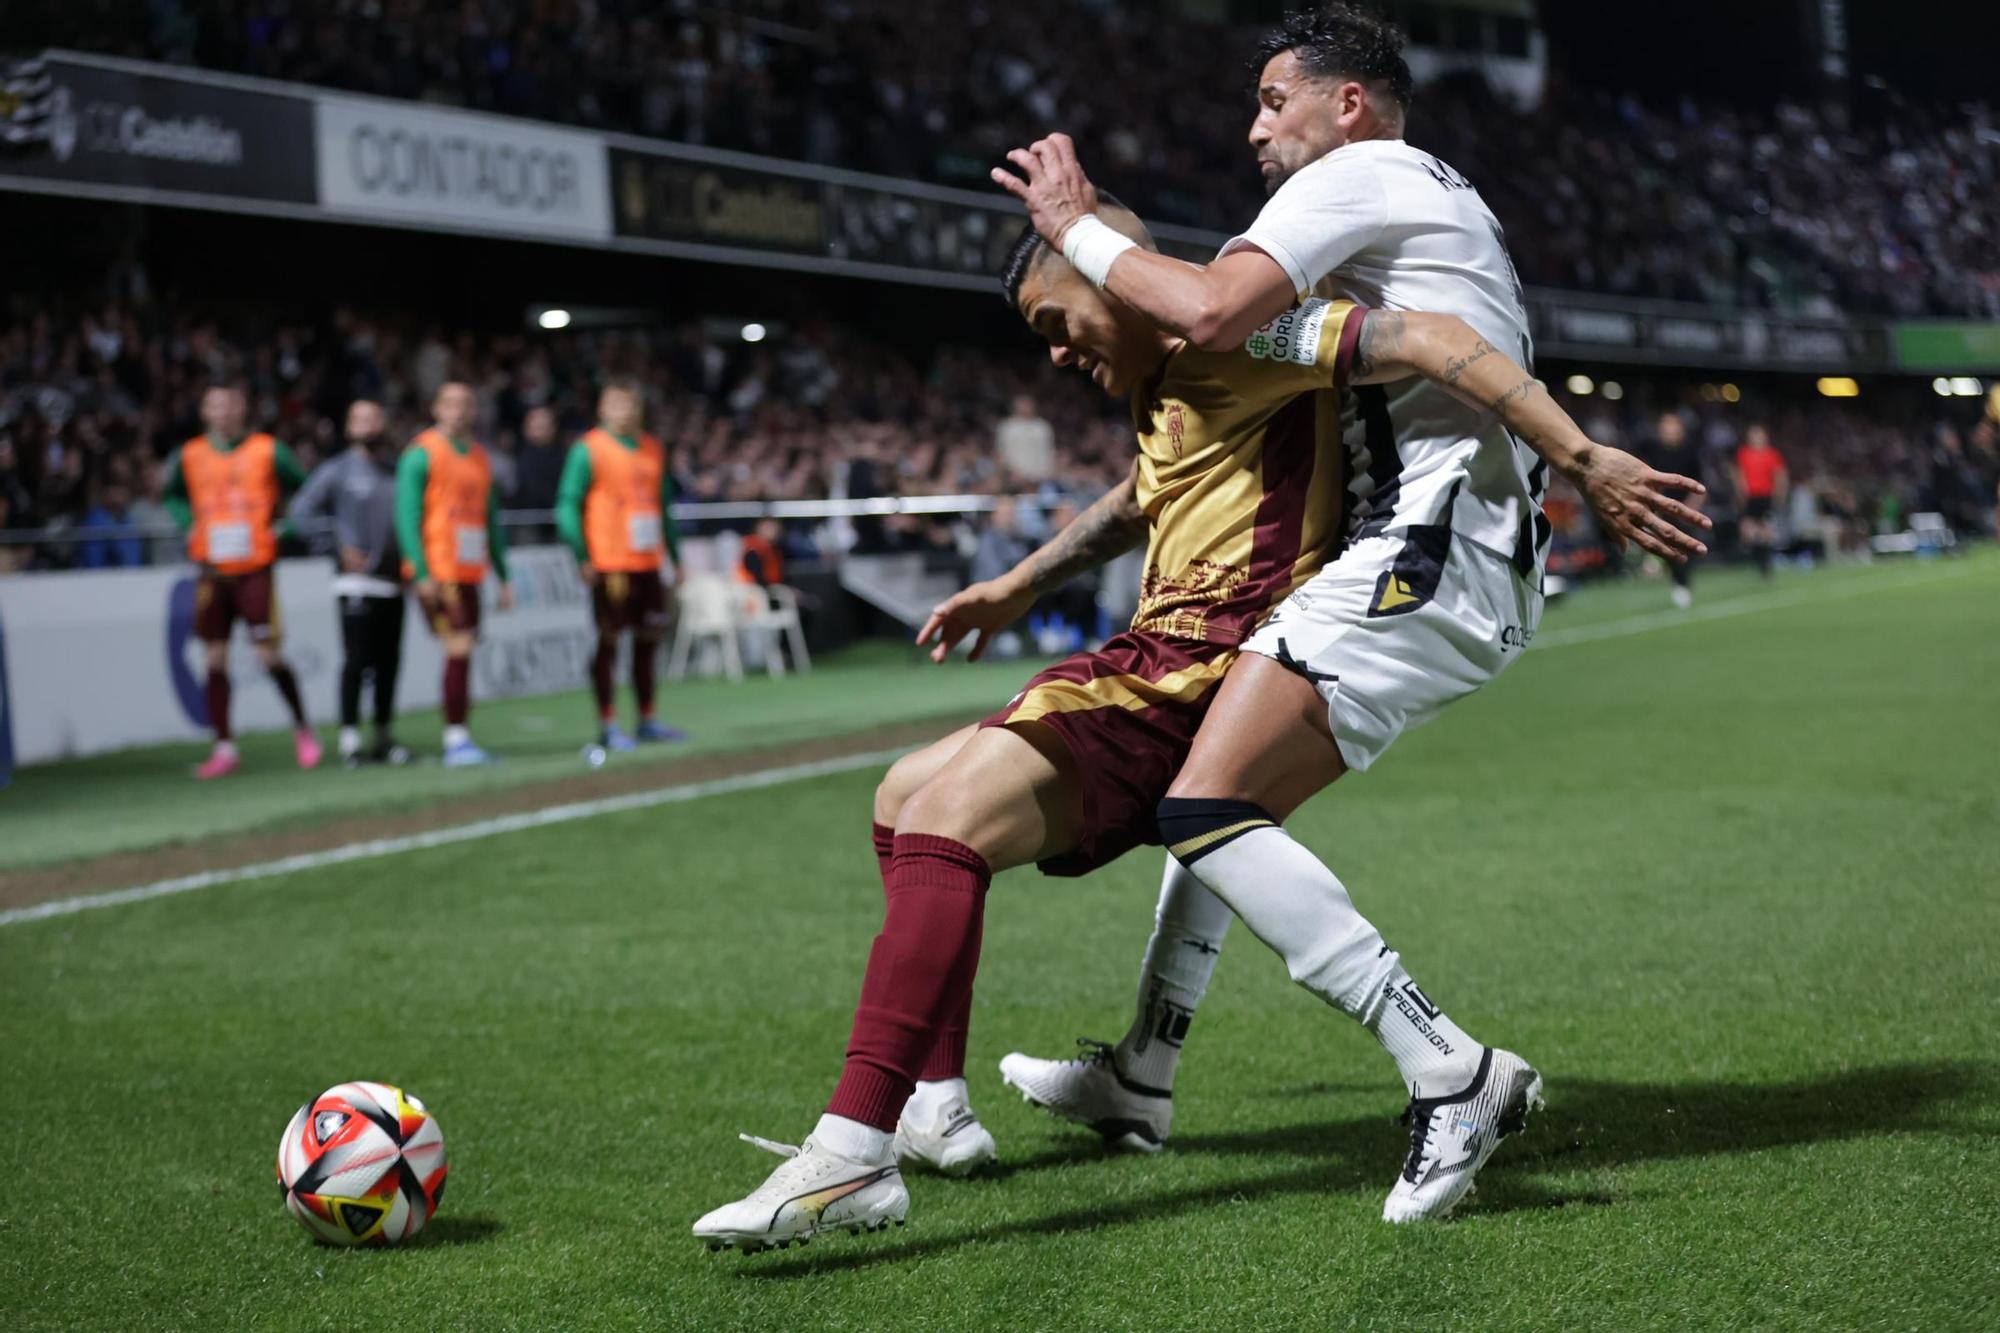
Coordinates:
[1391,227]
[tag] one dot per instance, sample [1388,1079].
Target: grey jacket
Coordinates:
[359,491]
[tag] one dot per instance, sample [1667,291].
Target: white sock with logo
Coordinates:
[930,1098]
[1297,906]
[1188,927]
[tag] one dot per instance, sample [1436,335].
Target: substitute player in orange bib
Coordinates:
[1238,493]
[448,524]
[614,511]
[226,487]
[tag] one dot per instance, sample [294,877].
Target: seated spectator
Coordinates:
[112,510]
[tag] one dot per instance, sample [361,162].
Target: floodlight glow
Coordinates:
[554,319]
[754,333]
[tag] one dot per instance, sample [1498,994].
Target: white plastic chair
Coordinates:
[776,615]
[708,610]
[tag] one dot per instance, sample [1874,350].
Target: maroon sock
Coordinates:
[288,685]
[885,851]
[644,667]
[602,664]
[457,690]
[947,1057]
[218,702]
[919,973]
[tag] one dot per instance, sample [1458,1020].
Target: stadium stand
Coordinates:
[1787,207]
[92,399]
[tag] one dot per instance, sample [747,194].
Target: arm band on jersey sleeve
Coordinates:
[1090,246]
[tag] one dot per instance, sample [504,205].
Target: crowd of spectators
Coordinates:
[92,405]
[1896,211]
[1853,474]
[93,402]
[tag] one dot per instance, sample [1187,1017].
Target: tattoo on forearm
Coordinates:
[1456,366]
[1109,528]
[1381,342]
[1523,387]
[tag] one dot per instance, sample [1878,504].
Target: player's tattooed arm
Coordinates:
[1629,499]
[1113,525]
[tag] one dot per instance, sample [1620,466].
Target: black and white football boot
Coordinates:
[1452,1133]
[1093,1092]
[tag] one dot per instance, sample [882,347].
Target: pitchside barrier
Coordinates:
[101,659]
[97,660]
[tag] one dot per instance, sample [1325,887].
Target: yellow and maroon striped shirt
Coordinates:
[1241,472]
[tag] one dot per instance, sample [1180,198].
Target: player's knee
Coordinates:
[934,806]
[895,788]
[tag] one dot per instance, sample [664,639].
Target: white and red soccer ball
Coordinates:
[362,1164]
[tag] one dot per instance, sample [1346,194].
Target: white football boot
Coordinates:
[1452,1133]
[816,1190]
[949,1139]
[1091,1091]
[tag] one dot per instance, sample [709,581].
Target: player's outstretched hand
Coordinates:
[1631,502]
[1056,191]
[984,608]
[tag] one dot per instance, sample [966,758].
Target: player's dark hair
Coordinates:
[622,384]
[1026,252]
[1342,41]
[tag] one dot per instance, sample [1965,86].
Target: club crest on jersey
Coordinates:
[1292,336]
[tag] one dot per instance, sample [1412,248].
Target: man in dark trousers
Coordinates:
[357,488]
[1670,451]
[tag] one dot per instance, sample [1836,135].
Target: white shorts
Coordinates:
[1396,628]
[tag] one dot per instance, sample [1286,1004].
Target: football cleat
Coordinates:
[652,729]
[307,748]
[465,754]
[814,1190]
[953,1142]
[221,762]
[1452,1135]
[1091,1091]
[389,752]
[612,738]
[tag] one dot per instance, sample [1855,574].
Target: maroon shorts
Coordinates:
[220,600]
[636,601]
[1127,714]
[452,606]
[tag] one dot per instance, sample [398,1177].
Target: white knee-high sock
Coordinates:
[1188,927]
[1294,904]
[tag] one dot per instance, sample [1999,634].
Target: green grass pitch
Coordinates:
[1732,880]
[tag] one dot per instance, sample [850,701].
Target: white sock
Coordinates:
[851,1139]
[350,741]
[1293,903]
[226,747]
[456,736]
[932,1097]
[1188,927]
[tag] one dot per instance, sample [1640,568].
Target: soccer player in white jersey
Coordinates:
[1438,590]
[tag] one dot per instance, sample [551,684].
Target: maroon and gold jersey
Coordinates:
[1241,472]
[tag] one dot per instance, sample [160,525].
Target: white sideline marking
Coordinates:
[444,837]
[773,777]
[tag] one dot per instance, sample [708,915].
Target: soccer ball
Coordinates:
[362,1164]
